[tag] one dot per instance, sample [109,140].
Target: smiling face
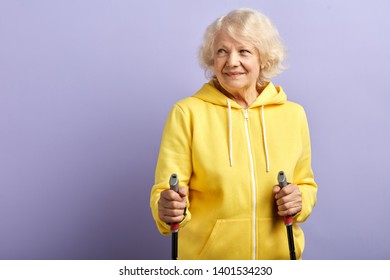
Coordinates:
[236,64]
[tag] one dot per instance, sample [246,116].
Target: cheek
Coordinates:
[218,65]
[254,68]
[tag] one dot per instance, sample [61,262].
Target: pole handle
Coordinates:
[288,220]
[174,185]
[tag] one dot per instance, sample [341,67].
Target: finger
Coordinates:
[290,208]
[282,193]
[289,212]
[289,195]
[171,215]
[171,204]
[170,195]
[172,220]
[172,212]
[284,199]
[183,191]
[288,200]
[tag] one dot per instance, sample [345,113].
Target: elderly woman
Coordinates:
[227,144]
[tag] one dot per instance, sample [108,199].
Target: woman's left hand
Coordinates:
[288,199]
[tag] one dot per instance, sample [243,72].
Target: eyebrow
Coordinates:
[240,46]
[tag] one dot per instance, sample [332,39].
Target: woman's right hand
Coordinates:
[172,205]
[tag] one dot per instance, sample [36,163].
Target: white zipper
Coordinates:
[254,204]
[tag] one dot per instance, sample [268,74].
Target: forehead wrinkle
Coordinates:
[237,42]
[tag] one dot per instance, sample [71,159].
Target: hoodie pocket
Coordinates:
[273,241]
[229,239]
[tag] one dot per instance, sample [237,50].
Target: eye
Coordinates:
[245,51]
[221,51]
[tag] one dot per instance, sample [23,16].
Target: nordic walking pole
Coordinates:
[288,220]
[174,185]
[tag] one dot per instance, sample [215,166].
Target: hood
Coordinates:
[271,95]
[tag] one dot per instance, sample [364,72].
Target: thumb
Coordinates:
[275,189]
[183,191]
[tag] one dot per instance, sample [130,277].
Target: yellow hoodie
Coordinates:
[229,159]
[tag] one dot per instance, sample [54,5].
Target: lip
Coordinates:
[234,74]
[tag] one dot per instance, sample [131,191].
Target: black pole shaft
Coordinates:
[291,246]
[174,245]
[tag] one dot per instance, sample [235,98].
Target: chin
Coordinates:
[235,85]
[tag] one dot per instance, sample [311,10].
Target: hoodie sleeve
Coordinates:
[303,174]
[174,157]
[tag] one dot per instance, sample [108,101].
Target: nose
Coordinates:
[233,59]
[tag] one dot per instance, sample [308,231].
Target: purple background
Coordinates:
[85,87]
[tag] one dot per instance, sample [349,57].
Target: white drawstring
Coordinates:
[230,134]
[265,138]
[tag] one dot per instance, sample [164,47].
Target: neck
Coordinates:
[244,97]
